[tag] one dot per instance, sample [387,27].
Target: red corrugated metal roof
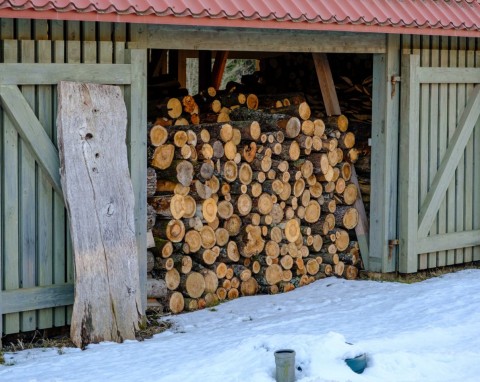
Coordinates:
[455,17]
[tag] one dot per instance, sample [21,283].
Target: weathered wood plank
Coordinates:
[135,98]
[11,199]
[262,40]
[105,31]
[37,298]
[30,130]
[73,32]
[449,241]
[88,31]
[100,201]
[105,52]
[7,29]
[73,56]
[476,197]
[432,144]
[45,221]
[442,145]
[452,123]
[450,162]
[385,130]
[57,30]
[409,149]
[41,74]
[460,168]
[327,87]
[469,172]
[362,228]
[423,163]
[449,75]
[23,29]
[28,188]
[59,252]
[89,52]
[40,30]
[120,32]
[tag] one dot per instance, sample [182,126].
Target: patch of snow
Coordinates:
[428,331]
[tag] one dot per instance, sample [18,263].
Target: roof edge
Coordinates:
[229,23]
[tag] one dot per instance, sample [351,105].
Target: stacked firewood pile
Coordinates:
[353,82]
[247,194]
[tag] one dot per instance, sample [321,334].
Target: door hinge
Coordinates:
[392,243]
[394,81]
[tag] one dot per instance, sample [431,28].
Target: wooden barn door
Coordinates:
[36,267]
[439,164]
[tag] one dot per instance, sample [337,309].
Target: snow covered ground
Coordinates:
[428,331]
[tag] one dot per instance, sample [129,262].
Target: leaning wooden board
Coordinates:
[92,122]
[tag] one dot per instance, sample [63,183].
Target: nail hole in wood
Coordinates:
[88,136]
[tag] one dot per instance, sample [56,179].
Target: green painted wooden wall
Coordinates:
[440,108]
[36,268]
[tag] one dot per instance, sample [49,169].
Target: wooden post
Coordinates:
[219,68]
[409,148]
[327,86]
[384,184]
[136,95]
[100,201]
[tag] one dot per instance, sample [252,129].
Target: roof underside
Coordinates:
[434,17]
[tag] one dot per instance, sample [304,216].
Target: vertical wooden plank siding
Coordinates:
[40,29]
[433,158]
[409,149]
[11,271]
[23,29]
[476,181]
[28,205]
[385,129]
[45,192]
[73,56]
[7,31]
[442,145]
[452,122]
[137,142]
[460,172]
[424,139]
[88,31]
[57,30]
[469,172]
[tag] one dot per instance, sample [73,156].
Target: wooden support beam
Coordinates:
[327,86]
[219,68]
[332,105]
[204,69]
[361,229]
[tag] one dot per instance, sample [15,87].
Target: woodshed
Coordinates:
[424,134]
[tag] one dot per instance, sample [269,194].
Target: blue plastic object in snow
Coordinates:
[357,364]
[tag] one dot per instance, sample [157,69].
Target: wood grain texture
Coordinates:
[409,150]
[258,40]
[384,180]
[100,201]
